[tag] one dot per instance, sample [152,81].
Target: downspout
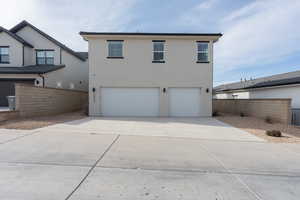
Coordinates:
[40,75]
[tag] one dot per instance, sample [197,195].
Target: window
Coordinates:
[202,52]
[4,55]
[158,51]
[115,49]
[45,57]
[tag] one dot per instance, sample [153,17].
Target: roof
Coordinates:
[150,34]
[32,69]
[24,23]
[213,36]
[268,81]
[16,37]
[83,54]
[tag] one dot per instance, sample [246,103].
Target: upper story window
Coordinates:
[45,57]
[202,52]
[4,55]
[158,51]
[115,49]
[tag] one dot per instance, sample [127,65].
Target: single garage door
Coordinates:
[184,102]
[7,88]
[132,102]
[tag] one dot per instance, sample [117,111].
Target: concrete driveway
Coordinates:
[98,158]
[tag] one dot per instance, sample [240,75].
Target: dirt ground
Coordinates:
[39,122]
[255,126]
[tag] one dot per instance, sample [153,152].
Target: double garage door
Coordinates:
[7,88]
[145,102]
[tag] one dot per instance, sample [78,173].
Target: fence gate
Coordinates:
[296,116]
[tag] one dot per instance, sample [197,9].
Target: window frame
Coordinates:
[153,51]
[2,62]
[45,56]
[108,50]
[206,52]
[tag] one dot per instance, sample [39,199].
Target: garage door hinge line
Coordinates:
[93,167]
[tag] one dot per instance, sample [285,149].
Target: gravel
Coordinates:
[39,122]
[258,127]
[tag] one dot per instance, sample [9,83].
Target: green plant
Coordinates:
[274,133]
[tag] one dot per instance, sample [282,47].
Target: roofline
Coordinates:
[24,23]
[16,37]
[57,67]
[150,34]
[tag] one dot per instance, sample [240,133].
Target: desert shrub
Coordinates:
[268,120]
[274,133]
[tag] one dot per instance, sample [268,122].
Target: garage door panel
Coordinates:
[184,102]
[132,102]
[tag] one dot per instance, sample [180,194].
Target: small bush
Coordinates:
[242,114]
[268,120]
[274,133]
[216,113]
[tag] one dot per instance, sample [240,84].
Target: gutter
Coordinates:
[40,75]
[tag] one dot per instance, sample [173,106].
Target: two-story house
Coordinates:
[28,55]
[150,74]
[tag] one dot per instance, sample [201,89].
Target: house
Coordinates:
[286,85]
[150,74]
[28,55]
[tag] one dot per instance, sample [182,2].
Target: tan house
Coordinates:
[28,55]
[150,74]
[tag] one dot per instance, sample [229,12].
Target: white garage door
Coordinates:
[132,102]
[184,102]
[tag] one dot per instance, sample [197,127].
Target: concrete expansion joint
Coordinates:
[93,167]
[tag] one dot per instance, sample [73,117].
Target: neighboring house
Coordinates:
[285,85]
[28,55]
[150,74]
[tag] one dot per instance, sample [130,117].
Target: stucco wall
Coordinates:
[37,101]
[39,42]
[73,76]
[137,69]
[277,109]
[15,50]
[292,92]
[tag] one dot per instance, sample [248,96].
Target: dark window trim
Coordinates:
[115,57]
[114,40]
[36,57]
[8,55]
[158,61]
[111,57]
[200,61]
[158,40]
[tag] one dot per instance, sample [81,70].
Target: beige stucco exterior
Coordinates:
[73,76]
[137,70]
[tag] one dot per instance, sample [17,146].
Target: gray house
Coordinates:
[29,55]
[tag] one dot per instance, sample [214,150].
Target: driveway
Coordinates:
[102,158]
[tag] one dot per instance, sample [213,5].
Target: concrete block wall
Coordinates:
[38,101]
[7,115]
[279,110]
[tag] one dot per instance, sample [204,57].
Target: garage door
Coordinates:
[7,88]
[132,102]
[184,102]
